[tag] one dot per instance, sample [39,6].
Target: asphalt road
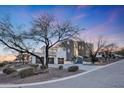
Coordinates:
[108,77]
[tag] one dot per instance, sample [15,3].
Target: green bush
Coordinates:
[73,68]
[26,72]
[60,67]
[2,64]
[9,70]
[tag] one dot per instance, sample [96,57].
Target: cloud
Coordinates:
[117,39]
[107,31]
[115,14]
[98,29]
[78,17]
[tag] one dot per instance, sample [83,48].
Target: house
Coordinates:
[65,52]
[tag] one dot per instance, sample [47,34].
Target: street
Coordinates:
[109,77]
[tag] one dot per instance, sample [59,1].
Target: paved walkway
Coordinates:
[110,76]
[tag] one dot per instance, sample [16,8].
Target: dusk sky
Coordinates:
[107,21]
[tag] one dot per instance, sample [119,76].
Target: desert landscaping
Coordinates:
[48,46]
[17,73]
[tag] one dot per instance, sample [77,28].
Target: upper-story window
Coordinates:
[68,42]
[79,47]
[68,50]
[82,48]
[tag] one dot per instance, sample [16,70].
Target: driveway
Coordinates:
[81,66]
[107,77]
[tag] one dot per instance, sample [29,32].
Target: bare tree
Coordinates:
[99,45]
[48,31]
[120,52]
[45,30]
[11,38]
[109,48]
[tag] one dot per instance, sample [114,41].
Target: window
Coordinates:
[82,48]
[68,50]
[68,42]
[79,47]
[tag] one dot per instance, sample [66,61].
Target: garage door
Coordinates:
[60,60]
[51,60]
[38,60]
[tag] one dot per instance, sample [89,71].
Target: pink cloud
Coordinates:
[113,16]
[79,16]
[104,27]
[117,39]
[93,33]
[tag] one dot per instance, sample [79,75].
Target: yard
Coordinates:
[43,75]
[29,73]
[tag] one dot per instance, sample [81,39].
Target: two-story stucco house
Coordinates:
[65,52]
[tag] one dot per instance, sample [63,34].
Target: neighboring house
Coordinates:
[23,57]
[64,52]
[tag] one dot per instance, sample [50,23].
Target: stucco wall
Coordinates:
[61,53]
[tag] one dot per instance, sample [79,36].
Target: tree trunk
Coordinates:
[47,55]
[93,59]
[41,61]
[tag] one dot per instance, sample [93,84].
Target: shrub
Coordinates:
[26,72]
[8,66]
[14,74]
[2,64]
[34,66]
[73,68]
[9,70]
[5,62]
[60,67]
[43,67]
